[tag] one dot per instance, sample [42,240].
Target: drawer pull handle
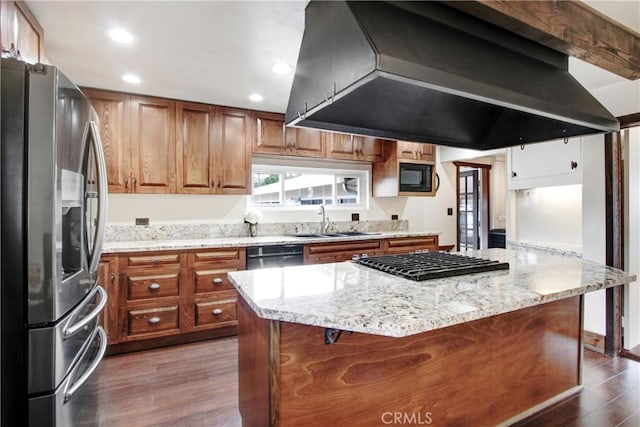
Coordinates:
[216,311]
[156,261]
[154,286]
[154,320]
[217,281]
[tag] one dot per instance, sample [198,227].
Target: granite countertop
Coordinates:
[352,297]
[225,242]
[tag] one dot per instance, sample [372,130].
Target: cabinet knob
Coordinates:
[113,278]
[216,311]
[155,261]
[154,320]
[135,181]
[126,183]
[213,184]
[574,165]
[217,281]
[513,174]
[154,286]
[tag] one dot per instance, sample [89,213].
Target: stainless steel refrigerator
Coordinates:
[53,212]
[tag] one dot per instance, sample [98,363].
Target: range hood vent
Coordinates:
[425,72]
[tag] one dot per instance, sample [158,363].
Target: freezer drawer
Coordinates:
[54,350]
[73,402]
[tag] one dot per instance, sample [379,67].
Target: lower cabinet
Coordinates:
[160,298]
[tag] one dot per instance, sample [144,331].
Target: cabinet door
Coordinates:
[369,149]
[546,164]
[416,151]
[269,134]
[107,274]
[18,27]
[309,143]
[194,148]
[233,151]
[342,146]
[113,111]
[153,145]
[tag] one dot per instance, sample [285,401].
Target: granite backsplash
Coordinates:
[123,233]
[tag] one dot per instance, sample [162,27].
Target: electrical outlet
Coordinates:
[142,221]
[355,217]
[394,216]
[449,211]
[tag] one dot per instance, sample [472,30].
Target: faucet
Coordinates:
[325,221]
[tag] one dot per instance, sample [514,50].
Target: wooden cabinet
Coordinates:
[403,245]
[545,164]
[153,122]
[354,147]
[386,174]
[416,151]
[114,117]
[213,151]
[272,137]
[20,33]
[320,253]
[138,138]
[172,295]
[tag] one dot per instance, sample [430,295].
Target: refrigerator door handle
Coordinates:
[70,330]
[72,388]
[92,128]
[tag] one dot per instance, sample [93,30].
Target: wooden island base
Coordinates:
[482,372]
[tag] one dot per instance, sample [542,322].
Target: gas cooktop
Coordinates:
[431,265]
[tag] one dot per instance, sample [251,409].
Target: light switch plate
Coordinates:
[142,221]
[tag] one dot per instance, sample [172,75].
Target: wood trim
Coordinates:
[472,165]
[593,341]
[571,27]
[274,372]
[446,248]
[127,347]
[629,121]
[24,9]
[614,230]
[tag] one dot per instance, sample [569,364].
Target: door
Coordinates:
[269,134]
[233,151]
[194,148]
[369,149]
[342,146]
[468,213]
[307,142]
[153,145]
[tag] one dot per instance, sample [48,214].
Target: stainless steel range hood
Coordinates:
[422,71]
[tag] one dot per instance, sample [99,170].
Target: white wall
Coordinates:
[423,213]
[620,98]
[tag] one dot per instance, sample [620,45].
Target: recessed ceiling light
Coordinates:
[256,97]
[120,35]
[131,78]
[281,68]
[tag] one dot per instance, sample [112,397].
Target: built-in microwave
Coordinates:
[417,177]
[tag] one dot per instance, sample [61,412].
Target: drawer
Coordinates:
[153,260]
[234,256]
[212,280]
[153,320]
[410,244]
[215,312]
[155,286]
[358,247]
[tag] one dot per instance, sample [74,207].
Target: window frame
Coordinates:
[281,167]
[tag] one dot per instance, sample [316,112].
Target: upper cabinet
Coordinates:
[271,137]
[153,124]
[416,151]
[545,164]
[354,147]
[138,138]
[114,120]
[20,32]
[233,151]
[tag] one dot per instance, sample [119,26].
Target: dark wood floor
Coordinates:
[196,385]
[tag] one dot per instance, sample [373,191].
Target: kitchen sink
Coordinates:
[340,234]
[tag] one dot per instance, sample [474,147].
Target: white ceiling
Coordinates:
[217,52]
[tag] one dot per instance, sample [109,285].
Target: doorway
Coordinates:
[472,205]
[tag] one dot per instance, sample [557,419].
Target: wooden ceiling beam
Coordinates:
[571,27]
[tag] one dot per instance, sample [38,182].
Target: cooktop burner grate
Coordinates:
[431,265]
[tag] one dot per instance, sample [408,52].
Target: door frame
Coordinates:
[485,194]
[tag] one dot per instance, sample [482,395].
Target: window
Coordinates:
[296,187]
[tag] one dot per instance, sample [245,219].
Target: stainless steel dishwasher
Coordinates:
[274,256]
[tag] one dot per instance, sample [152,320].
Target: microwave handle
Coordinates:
[437,182]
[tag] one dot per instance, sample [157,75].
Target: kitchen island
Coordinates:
[478,349]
